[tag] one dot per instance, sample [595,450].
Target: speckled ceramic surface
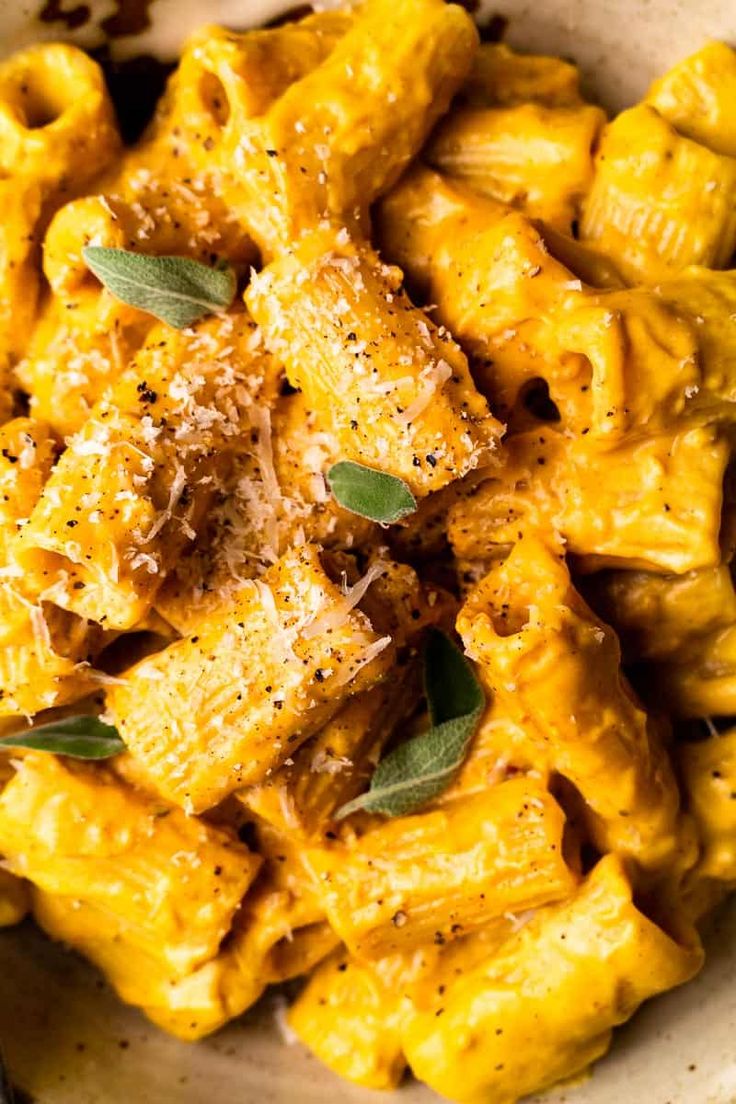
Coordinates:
[67,1039]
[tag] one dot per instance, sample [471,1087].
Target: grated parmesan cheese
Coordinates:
[324,763]
[432,378]
[348,673]
[178,484]
[339,612]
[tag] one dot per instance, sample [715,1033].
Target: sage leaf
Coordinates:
[77,737]
[420,769]
[176,290]
[450,684]
[370,493]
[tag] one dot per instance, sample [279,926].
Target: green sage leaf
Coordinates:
[450,684]
[176,290]
[420,769]
[370,493]
[78,737]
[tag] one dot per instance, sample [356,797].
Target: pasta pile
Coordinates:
[457,450]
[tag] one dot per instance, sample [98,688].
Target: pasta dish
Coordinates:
[367,524]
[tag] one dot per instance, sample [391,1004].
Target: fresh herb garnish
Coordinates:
[370,493]
[420,769]
[450,685]
[176,290]
[78,737]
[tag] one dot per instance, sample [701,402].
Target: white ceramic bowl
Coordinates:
[67,1039]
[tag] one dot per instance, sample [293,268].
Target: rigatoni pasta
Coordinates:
[455,870]
[94,840]
[555,671]
[579,968]
[345,329]
[659,201]
[222,708]
[367,616]
[508,153]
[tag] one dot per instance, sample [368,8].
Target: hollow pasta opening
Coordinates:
[535,398]
[39,98]
[508,619]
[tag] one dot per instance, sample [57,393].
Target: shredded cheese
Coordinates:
[348,673]
[339,612]
[178,484]
[431,378]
